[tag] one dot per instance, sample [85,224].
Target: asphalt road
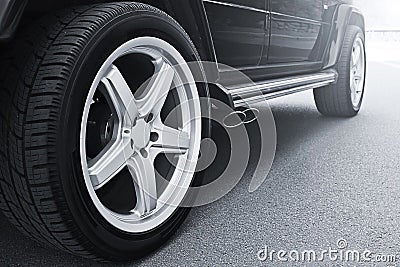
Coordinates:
[332,179]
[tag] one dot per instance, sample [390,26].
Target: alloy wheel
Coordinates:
[126,137]
[357,72]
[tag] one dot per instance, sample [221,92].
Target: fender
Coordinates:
[344,16]
[10,15]
[192,16]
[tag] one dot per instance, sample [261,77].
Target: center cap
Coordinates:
[141,134]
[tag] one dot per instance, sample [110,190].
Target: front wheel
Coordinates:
[101,133]
[344,98]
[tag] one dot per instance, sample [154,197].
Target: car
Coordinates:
[86,87]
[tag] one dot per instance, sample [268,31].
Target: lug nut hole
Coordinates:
[154,137]
[144,153]
[149,117]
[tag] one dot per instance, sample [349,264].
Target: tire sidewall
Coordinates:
[355,33]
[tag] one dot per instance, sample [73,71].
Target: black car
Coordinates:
[87,85]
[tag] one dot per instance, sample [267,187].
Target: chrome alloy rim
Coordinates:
[128,138]
[357,72]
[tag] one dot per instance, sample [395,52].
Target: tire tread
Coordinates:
[334,99]
[39,64]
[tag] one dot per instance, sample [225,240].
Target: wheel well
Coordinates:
[357,19]
[38,8]
[189,14]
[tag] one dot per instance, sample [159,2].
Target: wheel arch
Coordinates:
[344,16]
[357,19]
[191,15]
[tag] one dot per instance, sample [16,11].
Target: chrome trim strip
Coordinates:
[269,86]
[263,11]
[237,6]
[299,18]
[253,93]
[259,98]
[264,67]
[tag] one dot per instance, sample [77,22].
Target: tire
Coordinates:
[342,99]
[52,128]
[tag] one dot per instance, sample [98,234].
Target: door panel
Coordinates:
[238,30]
[295,27]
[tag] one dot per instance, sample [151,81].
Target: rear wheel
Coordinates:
[344,98]
[100,133]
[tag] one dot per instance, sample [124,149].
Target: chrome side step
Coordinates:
[257,92]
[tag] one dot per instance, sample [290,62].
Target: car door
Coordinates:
[295,27]
[238,28]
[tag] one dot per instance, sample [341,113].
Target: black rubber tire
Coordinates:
[49,70]
[335,99]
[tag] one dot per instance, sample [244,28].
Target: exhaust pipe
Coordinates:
[241,117]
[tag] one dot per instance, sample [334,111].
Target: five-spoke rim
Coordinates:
[357,72]
[136,133]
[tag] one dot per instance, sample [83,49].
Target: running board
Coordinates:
[257,92]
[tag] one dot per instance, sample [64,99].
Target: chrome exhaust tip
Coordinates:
[241,117]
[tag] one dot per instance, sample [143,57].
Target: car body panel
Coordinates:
[238,30]
[295,27]
[300,36]
[262,38]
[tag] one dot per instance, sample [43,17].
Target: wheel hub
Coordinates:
[140,134]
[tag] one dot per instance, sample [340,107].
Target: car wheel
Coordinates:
[92,161]
[344,98]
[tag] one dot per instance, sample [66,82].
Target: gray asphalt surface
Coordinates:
[332,179]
